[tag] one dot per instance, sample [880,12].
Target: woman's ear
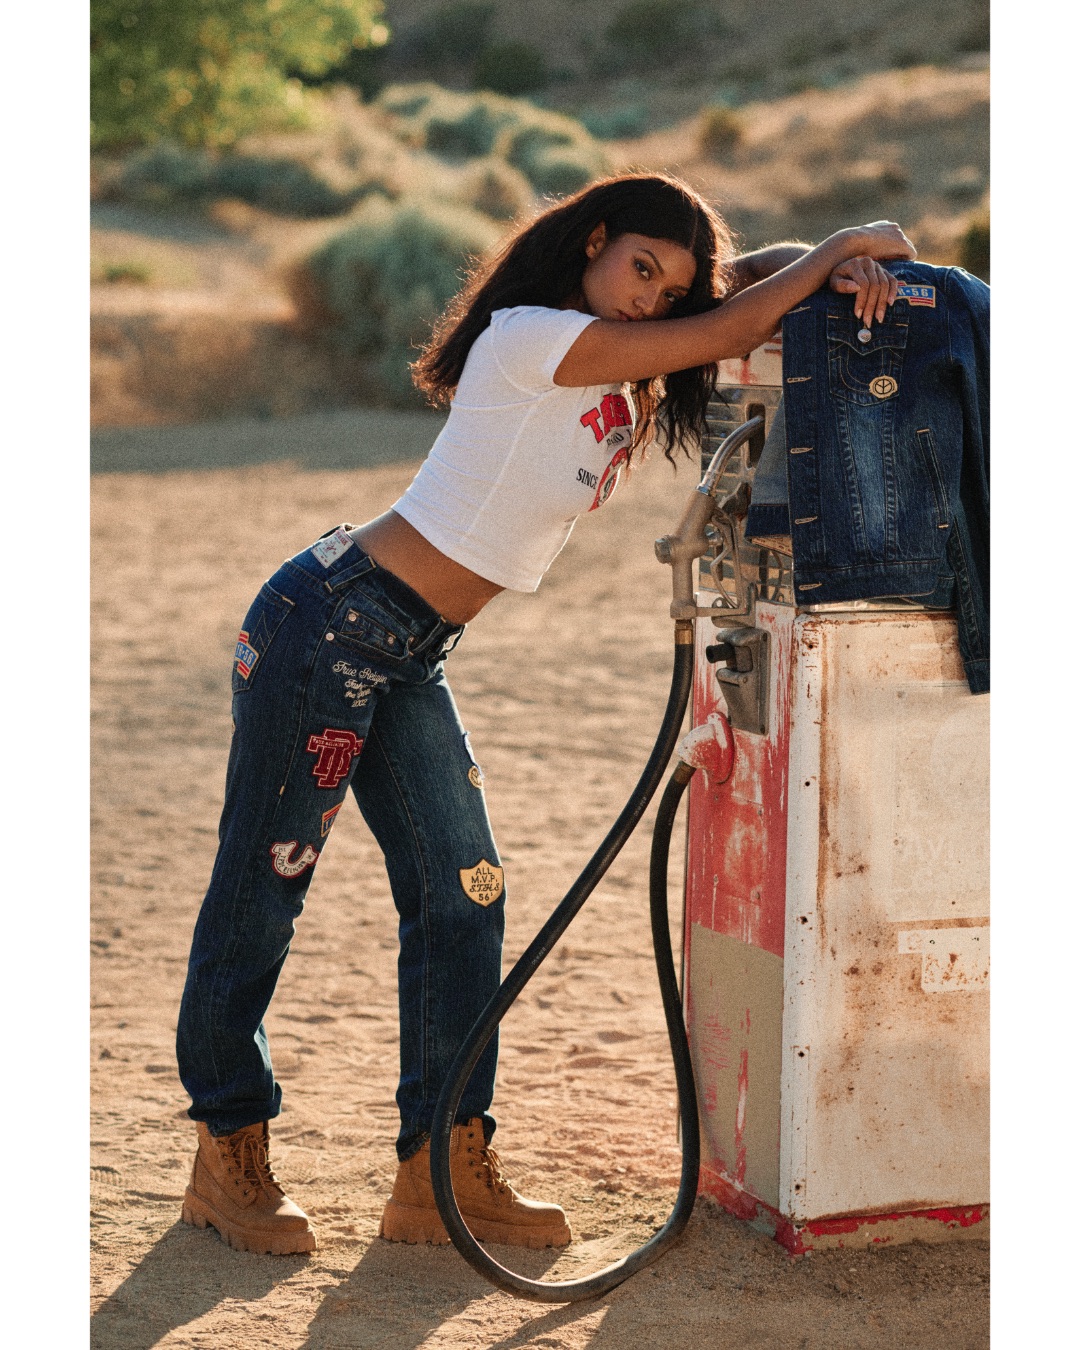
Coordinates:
[595,243]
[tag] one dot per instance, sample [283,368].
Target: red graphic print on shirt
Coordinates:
[612,412]
[609,479]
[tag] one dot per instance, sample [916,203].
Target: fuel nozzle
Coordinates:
[689,542]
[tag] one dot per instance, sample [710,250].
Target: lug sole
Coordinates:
[199,1214]
[412,1224]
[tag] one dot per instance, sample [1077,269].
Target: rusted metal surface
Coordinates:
[878,1079]
[947,1223]
[710,747]
[734,1002]
[891,1109]
[736,866]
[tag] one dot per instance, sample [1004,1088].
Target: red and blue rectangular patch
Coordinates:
[918,295]
[245,656]
[328,819]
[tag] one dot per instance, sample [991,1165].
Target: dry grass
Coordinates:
[911,145]
[212,330]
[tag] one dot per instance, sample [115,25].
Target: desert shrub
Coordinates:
[511,68]
[452,34]
[453,125]
[720,131]
[555,153]
[168,175]
[616,123]
[407,100]
[975,246]
[975,35]
[375,289]
[646,29]
[494,188]
[133,273]
[164,175]
[279,185]
[857,188]
[469,132]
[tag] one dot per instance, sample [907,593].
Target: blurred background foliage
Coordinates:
[309,180]
[204,72]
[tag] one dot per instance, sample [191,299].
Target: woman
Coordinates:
[558,372]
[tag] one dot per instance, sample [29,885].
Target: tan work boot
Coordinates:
[489,1205]
[233,1188]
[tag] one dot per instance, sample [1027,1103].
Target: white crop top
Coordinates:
[520,458]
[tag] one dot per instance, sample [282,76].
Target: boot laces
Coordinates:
[247,1155]
[492,1169]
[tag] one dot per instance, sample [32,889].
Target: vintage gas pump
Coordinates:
[836,957]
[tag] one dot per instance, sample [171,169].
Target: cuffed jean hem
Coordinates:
[219,1126]
[410,1146]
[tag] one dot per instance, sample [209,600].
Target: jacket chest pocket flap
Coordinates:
[866,372]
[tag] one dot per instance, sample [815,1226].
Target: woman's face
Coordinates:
[634,276]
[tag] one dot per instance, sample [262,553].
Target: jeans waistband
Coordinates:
[350,564]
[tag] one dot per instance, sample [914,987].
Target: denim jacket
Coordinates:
[888,445]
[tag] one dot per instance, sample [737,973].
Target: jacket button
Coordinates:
[864,335]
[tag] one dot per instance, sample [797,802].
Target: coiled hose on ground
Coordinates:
[592,1286]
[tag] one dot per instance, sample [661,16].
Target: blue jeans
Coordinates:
[338,683]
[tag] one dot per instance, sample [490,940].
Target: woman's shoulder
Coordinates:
[529,341]
[524,315]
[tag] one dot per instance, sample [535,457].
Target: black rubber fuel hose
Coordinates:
[592,1286]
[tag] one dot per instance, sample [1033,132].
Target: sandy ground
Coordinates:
[562,693]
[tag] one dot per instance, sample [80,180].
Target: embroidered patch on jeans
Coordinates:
[476,774]
[285,865]
[884,386]
[335,750]
[328,819]
[332,547]
[245,655]
[482,883]
[918,295]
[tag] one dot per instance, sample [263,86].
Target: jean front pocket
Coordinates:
[361,623]
[866,370]
[263,619]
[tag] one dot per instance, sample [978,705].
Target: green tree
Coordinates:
[206,71]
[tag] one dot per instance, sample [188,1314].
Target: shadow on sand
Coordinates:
[397,1296]
[179,1280]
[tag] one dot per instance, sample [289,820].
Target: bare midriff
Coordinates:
[450,589]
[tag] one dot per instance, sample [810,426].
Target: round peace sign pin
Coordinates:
[883,386]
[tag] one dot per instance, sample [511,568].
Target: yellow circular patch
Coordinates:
[476,778]
[883,387]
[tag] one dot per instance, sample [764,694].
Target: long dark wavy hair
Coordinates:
[542,264]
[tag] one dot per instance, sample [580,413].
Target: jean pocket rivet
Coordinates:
[352,616]
[329,637]
[389,639]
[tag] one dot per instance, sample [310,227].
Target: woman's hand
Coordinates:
[868,281]
[882,240]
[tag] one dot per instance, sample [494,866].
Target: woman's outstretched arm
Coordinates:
[610,352]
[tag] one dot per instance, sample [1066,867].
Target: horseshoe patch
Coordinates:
[884,386]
